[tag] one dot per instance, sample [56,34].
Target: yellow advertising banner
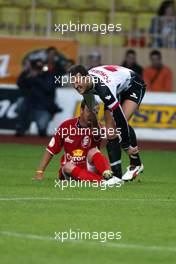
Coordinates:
[155,116]
[13,50]
[148,116]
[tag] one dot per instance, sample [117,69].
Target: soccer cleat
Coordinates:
[113,181]
[107,174]
[132,172]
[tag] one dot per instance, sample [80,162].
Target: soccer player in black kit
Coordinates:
[121,91]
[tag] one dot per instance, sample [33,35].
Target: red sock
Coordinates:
[84,175]
[100,162]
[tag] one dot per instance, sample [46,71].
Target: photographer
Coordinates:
[56,63]
[37,101]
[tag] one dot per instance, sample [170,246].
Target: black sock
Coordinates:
[135,158]
[114,153]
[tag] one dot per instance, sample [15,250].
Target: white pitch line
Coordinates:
[106,244]
[84,199]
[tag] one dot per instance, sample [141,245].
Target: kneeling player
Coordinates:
[82,159]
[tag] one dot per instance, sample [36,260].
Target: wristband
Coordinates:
[39,171]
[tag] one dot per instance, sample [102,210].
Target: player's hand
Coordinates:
[132,151]
[38,176]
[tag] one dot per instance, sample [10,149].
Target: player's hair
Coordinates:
[155,52]
[130,51]
[83,103]
[164,5]
[78,69]
[50,49]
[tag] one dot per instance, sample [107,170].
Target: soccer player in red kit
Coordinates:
[82,159]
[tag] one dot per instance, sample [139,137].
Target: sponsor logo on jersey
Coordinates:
[77,155]
[68,140]
[101,73]
[77,152]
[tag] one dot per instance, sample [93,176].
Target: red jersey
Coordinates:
[75,140]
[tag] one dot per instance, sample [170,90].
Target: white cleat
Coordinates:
[113,181]
[132,173]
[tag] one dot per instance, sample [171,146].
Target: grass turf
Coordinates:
[144,211]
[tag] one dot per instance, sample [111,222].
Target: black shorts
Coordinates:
[135,93]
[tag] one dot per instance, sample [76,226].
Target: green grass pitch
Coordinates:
[144,211]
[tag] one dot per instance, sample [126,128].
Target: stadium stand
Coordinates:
[38,20]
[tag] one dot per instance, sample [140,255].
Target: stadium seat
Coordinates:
[79,4]
[11,16]
[24,3]
[131,5]
[154,5]
[65,16]
[87,38]
[117,40]
[125,19]
[4,2]
[93,17]
[103,4]
[41,19]
[49,3]
[144,20]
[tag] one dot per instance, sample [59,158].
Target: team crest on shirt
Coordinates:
[86,141]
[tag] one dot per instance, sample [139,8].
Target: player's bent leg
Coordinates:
[129,107]
[68,167]
[96,159]
[113,145]
[80,174]
[136,166]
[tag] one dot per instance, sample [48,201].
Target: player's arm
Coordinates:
[90,101]
[53,148]
[47,157]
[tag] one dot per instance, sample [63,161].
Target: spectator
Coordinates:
[37,98]
[69,63]
[94,60]
[66,78]
[164,25]
[158,76]
[56,61]
[130,62]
